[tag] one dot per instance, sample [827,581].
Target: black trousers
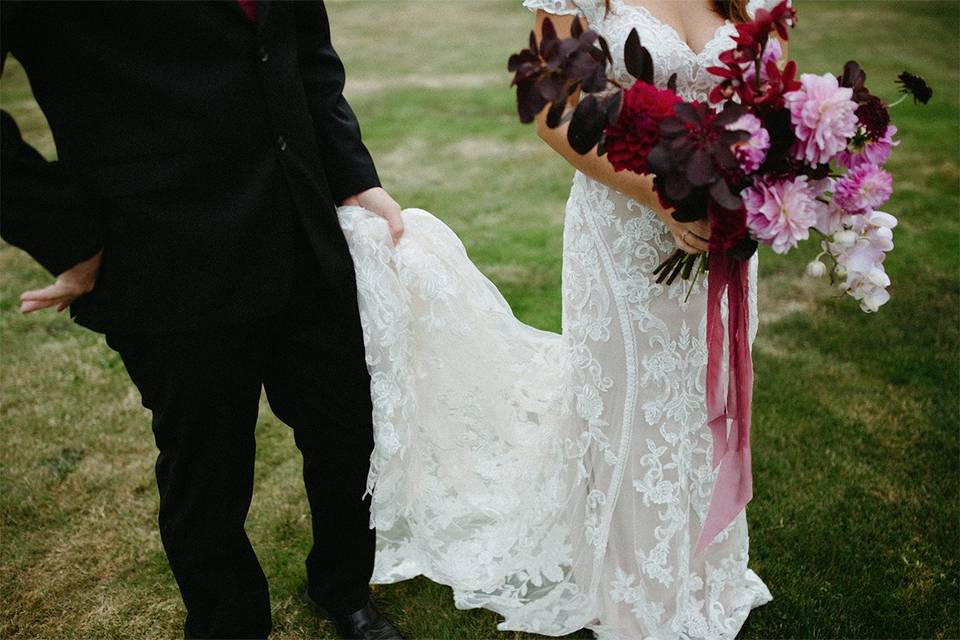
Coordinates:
[204,389]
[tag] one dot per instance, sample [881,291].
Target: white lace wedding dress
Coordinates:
[560,480]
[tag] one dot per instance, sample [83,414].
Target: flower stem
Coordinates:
[664,267]
[902,98]
[756,67]
[676,271]
[701,261]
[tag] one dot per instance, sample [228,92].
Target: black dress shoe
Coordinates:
[366,624]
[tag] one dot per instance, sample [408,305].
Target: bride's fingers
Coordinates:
[695,243]
[687,246]
[701,229]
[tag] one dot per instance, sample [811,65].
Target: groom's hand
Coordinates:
[379,202]
[73,283]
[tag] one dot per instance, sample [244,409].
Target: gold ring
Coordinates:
[683,238]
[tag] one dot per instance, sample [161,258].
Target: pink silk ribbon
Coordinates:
[728,414]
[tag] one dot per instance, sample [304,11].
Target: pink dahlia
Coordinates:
[863,150]
[751,152]
[824,117]
[780,213]
[863,189]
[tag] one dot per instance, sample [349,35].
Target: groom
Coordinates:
[203,148]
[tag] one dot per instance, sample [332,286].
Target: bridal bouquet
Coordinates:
[769,158]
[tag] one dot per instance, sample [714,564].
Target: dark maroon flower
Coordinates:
[874,117]
[915,86]
[694,158]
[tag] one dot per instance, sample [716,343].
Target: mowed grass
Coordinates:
[855,520]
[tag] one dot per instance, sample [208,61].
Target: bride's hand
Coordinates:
[691,237]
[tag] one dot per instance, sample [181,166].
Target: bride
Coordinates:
[559,480]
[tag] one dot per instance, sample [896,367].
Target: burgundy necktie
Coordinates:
[249,8]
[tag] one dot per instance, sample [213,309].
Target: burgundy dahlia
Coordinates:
[637,129]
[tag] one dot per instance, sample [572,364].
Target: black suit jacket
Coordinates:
[193,148]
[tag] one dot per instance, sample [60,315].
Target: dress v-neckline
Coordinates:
[672,30]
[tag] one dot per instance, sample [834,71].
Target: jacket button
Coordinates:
[281,143]
[264,54]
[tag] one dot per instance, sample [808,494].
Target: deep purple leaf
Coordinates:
[576,29]
[637,59]
[677,186]
[613,105]
[658,160]
[728,138]
[853,76]
[555,113]
[681,143]
[605,48]
[720,192]
[731,113]
[566,47]
[548,35]
[686,113]
[529,102]
[596,81]
[700,168]
[690,209]
[581,65]
[586,126]
[671,126]
[549,87]
[725,158]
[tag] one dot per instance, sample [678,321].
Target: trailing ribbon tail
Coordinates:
[728,415]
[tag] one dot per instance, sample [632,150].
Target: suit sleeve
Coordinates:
[347,163]
[42,210]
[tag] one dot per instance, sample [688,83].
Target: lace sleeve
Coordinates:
[556,7]
[753,5]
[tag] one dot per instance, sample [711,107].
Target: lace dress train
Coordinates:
[507,464]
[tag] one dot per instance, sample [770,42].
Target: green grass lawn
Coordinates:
[855,520]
